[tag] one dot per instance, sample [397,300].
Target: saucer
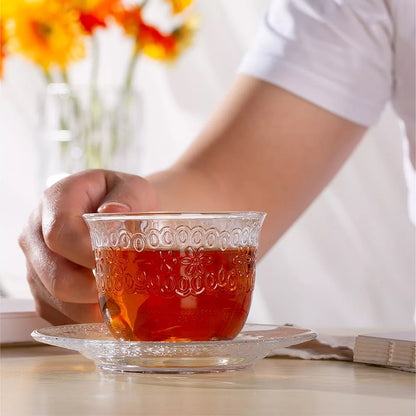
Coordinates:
[95,342]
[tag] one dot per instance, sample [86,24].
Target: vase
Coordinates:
[88,128]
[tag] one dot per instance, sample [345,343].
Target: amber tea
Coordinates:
[175,295]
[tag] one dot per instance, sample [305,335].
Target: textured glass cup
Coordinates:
[175,276]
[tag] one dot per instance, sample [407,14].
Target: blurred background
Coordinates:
[349,261]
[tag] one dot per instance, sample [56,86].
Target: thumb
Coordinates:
[129,193]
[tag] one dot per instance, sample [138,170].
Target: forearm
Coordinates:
[264,149]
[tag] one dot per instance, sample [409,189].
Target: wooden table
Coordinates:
[45,380]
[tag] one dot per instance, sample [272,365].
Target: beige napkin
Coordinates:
[324,347]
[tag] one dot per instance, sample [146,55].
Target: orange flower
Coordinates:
[155,44]
[129,19]
[151,41]
[10,7]
[2,47]
[179,5]
[95,13]
[167,47]
[47,32]
[147,38]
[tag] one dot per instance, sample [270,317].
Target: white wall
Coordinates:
[349,261]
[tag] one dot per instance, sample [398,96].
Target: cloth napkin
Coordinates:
[324,347]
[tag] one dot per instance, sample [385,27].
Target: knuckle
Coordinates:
[51,288]
[31,279]
[21,240]
[53,231]
[48,193]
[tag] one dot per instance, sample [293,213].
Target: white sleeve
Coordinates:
[334,53]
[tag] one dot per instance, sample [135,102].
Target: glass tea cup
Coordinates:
[175,276]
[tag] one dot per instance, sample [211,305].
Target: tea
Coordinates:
[175,295]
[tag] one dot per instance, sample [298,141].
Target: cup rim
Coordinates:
[171,215]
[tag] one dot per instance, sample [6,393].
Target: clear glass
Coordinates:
[175,276]
[82,128]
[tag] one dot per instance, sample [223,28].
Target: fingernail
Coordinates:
[113,207]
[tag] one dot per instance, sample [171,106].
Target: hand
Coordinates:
[57,245]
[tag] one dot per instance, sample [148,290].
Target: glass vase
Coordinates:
[88,128]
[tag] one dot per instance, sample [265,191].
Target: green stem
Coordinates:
[95,115]
[94,63]
[65,77]
[48,76]
[66,124]
[130,71]
[125,97]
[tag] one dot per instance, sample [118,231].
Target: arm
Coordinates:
[264,149]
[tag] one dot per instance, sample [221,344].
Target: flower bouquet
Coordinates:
[88,127]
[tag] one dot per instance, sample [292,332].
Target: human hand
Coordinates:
[57,245]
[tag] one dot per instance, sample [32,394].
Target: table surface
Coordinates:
[45,380]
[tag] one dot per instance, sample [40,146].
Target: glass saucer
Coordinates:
[96,343]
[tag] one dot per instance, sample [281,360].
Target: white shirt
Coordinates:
[350,57]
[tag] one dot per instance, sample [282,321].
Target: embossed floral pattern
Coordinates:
[167,272]
[243,261]
[175,260]
[196,261]
[167,261]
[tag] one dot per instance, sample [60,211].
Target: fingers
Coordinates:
[63,279]
[57,311]
[63,227]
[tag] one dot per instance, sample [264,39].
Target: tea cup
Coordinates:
[175,276]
